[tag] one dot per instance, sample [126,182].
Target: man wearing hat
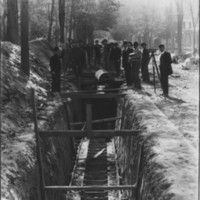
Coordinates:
[117,58]
[135,61]
[106,52]
[125,64]
[97,52]
[145,62]
[165,69]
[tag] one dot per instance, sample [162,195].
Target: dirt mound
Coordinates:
[18,158]
[42,49]
[169,159]
[14,82]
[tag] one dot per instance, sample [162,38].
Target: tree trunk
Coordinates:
[179,5]
[167,43]
[179,33]
[194,38]
[3,27]
[194,23]
[57,29]
[12,22]
[71,20]
[173,45]
[62,20]
[51,20]
[24,37]
[67,18]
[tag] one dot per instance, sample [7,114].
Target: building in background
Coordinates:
[190,36]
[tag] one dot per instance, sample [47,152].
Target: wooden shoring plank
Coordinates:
[90,188]
[92,96]
[96,121]
[94,133]
[139,172]
[88,119]
[85,80]
[139,150]
[104,90]
[63,133]
[69,127]
[79,83]
[38,150]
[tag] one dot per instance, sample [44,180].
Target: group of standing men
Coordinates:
[108,55]
[74,55]
[133,60]
[77,55]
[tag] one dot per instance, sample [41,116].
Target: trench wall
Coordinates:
[168,168]
[22,178]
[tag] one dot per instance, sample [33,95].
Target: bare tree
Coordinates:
[25,37]
[51,20]
[194,23]
[12,21]
[179,8]
[71,19]
[62,19]
[3,14]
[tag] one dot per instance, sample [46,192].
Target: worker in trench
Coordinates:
[55,64]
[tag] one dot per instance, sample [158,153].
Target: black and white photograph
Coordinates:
[99,99]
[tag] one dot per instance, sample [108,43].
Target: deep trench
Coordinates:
[95,170]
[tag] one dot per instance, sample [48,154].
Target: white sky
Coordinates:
[157,3]
[160,5]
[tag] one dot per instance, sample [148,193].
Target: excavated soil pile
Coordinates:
[19,173]
[169,167]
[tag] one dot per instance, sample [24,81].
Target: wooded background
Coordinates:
[149,21]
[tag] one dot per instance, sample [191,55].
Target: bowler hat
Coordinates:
[161,46]
[143,44]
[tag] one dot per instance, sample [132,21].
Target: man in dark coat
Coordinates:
[111,56]
[145,62]
[89,50]
[165,69]
[83,49]
[125,64]
[55,65]
[97,53]
[117,58]
[106,53]
[135,59]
